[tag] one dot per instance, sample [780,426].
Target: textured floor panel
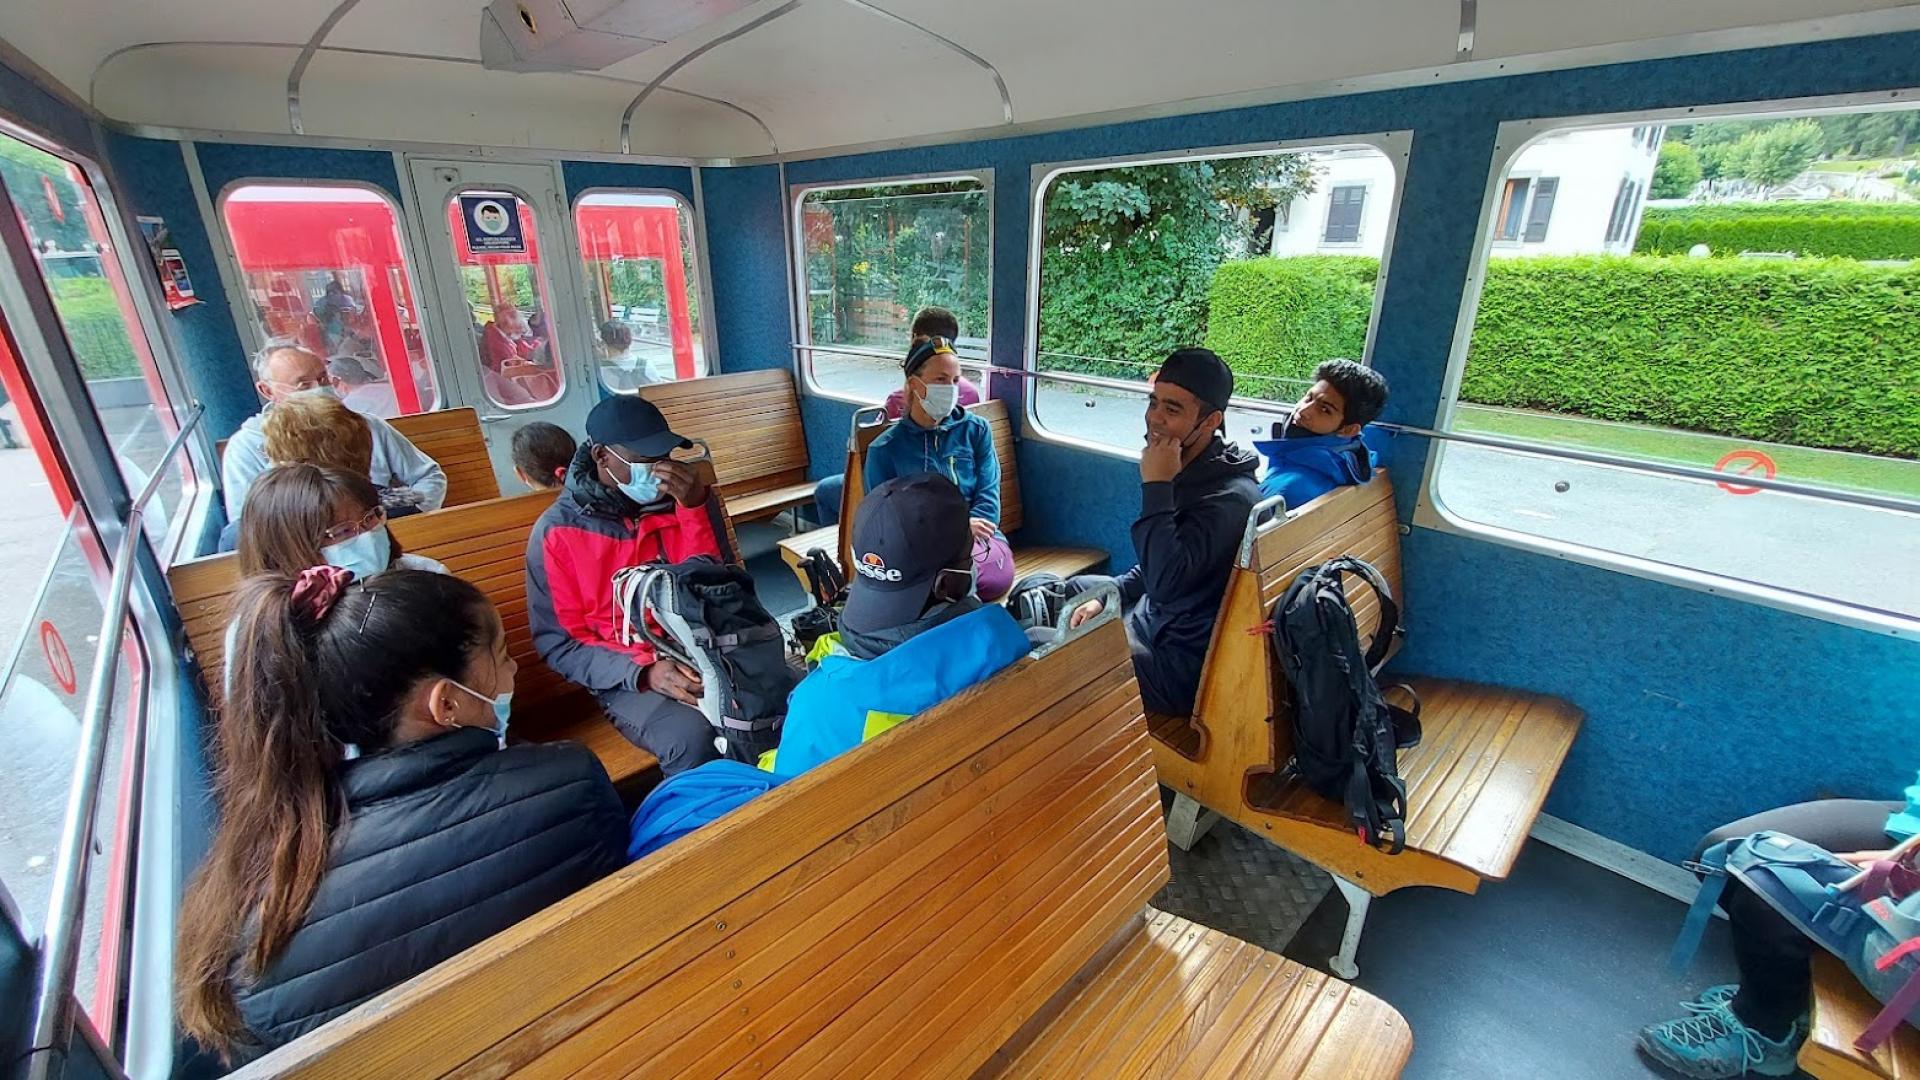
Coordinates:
[1236,882]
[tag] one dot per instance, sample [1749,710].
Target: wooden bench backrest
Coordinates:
[751,420]
[452,438]
[901,910]
[1239,667]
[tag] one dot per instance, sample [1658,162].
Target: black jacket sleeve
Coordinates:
[1180,553]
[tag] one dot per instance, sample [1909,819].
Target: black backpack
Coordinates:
[705,614]
[1038,600]
[829,590]
[1344,733]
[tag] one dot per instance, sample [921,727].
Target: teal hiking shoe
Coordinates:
[1712,1044]
[1712,998]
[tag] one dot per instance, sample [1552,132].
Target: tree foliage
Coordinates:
[47,199]
[1128,254]
[877,255]
[1677,173]
[1776,154]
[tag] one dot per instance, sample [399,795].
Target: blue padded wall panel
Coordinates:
[223,163]
[26,101]
[827,421]
[586,175]
[152,178]
[748,258]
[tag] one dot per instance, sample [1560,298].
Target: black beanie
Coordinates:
[1201,373]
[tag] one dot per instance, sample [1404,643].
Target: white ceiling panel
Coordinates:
[432,27]
[225,87]
[1522,27]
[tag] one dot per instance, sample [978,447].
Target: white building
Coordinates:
[1570,193]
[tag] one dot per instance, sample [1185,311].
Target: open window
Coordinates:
[1271,257]
[325,266]
[871,257]
[636,249]
[1736,297]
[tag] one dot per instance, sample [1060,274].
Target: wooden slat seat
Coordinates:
[965,895]
[452,438]
[485,543]
[1475,784]
[751,421]
[1027,558]
[1842,1009]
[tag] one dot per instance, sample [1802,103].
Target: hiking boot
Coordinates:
[1711,998]
[1712,1044]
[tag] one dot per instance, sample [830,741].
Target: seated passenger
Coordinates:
[1759,1024]
[930,322]
[307,515]
[362,388]
[939,436]
[507,338]
[625,503]
[913,633]
[314,429]
[333,878]
[1319,448]
[1196,490]
[284,371]
[541,454]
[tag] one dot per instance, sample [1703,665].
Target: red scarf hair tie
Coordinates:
[317,589]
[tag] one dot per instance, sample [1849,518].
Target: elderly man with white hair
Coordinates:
[281,371]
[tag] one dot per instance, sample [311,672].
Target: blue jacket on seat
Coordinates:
[846,701]
[685,801]
[960,448]
[1301,470]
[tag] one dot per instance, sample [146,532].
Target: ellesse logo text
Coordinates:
[873,566]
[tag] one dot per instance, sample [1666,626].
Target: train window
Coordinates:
[325,265]
[86,273]
[871,257]
[637,252]
[508,300]
[1737,296]
[1272,258]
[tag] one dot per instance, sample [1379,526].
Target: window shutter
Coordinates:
[1542,210]
[1343,214]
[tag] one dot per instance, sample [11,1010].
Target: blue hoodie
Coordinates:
[684,802]
[1303,469]
[845,701]
[959,448]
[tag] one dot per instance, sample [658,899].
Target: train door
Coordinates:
[497,255]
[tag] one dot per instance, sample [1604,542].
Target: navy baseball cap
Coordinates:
[905,532]
[1201,373]
[634,423]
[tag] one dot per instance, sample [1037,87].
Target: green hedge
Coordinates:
[1807,353]
[1279,318]
[1827,228]
[90,314]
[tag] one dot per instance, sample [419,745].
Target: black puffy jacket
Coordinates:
[449,840]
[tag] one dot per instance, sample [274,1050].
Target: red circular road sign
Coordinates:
[1745,463]
[59,661]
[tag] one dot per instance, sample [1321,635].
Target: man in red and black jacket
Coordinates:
[626,503]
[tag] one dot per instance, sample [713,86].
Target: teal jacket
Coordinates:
[845,701]
[1906,822]
[959,448]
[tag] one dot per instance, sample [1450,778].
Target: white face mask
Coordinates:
[326,390]
[365,555]
[940,399]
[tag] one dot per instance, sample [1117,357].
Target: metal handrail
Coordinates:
[1522,446]
[60,948]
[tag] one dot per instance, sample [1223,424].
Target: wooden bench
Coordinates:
[751,422]
[452,438]
[485,543]
[965,895]
[1027,558]
[1842,1009]
[1475,783]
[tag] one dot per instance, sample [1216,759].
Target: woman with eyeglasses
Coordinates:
[310,515]
[937,435]
[373,823]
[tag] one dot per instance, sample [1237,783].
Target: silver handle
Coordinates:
[1256,528]
[494,418]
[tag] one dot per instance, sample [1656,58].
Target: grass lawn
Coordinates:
[1865,165]
[1858,472]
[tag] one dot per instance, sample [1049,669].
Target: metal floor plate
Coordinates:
[1238,883]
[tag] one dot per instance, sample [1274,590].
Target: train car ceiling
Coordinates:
[746,79]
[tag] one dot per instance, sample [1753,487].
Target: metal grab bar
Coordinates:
[1523,446]
[60,949]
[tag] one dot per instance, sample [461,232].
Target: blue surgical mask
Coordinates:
[502,709]
[325,390]
[642,486]
[365,555]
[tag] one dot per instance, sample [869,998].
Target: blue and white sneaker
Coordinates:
[1712,1044]
[1712,998]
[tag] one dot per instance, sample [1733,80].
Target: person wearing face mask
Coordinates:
[938,436]
[334,878]
[1196,490]
[309,515]
[913,634]
[626,503]
[1319,448]
[284,371]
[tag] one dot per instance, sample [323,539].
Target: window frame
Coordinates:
[1395,145]
[697,281]
[1430,511]
[803,346]
[251,333]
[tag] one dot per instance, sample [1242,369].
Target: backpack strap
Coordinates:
[1389,628]
[1713,881]
[1901,1005]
